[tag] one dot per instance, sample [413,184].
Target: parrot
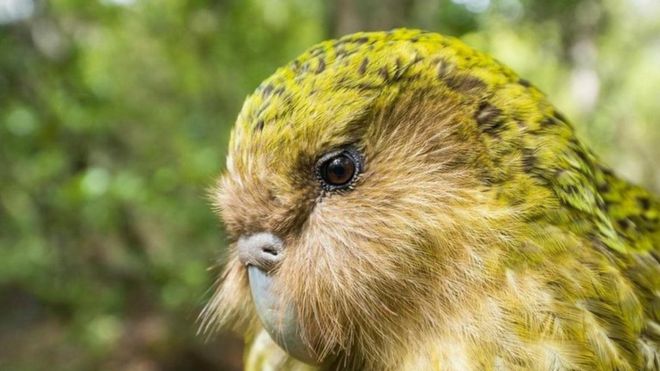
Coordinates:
[398,200]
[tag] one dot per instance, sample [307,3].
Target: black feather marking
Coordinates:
[321,66]
[528,160]
[363,66]
[644,203]
[488,118]
[464,84]
[267,90]
[384,73]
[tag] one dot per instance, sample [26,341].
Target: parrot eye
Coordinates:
[338,170]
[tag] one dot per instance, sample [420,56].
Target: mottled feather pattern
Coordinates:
[482,235]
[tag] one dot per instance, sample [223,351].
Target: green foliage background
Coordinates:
[114,118]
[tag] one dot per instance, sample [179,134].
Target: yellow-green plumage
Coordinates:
[540,257]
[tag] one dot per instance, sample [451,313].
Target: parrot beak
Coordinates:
[278,318]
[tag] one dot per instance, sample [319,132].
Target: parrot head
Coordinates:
[374,187]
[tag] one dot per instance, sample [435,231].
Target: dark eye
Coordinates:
[338,170]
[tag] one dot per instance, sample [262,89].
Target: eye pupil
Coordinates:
[339,170]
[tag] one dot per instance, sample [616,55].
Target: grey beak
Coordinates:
[261,253]
[278,319]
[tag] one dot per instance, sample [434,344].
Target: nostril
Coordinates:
[270,250]
[262,250]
